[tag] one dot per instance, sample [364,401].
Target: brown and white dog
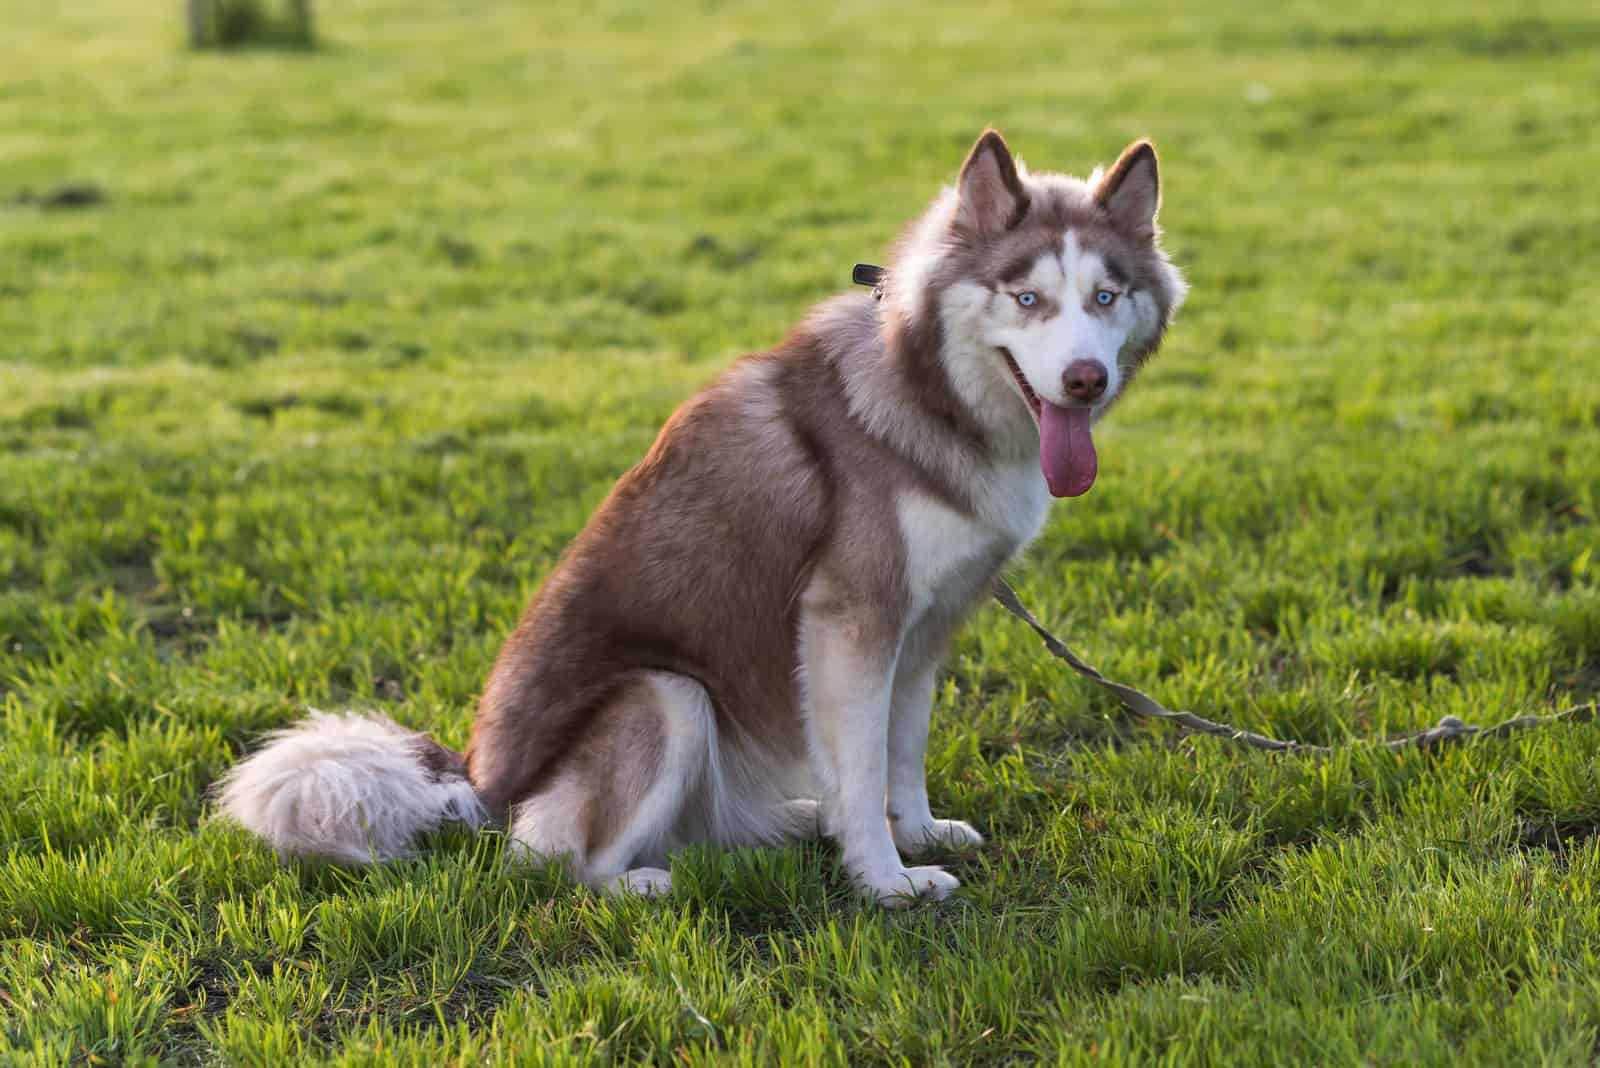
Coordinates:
[741,644]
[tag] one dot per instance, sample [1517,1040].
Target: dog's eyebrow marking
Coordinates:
[1115,272]
[1018,267]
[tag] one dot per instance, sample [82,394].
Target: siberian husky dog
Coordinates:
[741,644]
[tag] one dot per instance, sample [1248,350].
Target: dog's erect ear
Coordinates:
[1131,191]
[992,197]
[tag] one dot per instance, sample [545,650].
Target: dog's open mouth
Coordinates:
[1022,383]
[1066,447]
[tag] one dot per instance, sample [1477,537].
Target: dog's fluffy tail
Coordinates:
[348,787]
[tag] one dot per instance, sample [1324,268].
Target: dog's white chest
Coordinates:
[944,546]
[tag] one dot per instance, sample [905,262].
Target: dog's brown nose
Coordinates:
[1085,380]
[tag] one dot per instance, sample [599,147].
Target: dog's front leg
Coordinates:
[849,679]
[914,827]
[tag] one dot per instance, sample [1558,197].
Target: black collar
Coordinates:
[866,274]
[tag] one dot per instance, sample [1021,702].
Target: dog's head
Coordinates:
[1043,293]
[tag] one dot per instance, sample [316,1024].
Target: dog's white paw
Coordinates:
[646,882]
[935,834]
[900,888]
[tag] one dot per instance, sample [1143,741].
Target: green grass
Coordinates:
[310,364]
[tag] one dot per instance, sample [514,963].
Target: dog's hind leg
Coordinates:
[801,819]
[619,794]
[754,796]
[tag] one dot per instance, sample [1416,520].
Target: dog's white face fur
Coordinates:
[1065,320]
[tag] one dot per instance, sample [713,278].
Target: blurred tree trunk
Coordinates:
[199,23]
[226,23]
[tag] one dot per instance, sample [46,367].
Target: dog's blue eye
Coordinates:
[1028,299]
[1104,297]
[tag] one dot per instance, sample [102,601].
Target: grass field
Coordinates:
[311,363]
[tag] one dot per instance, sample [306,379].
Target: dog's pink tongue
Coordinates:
[1066,450]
